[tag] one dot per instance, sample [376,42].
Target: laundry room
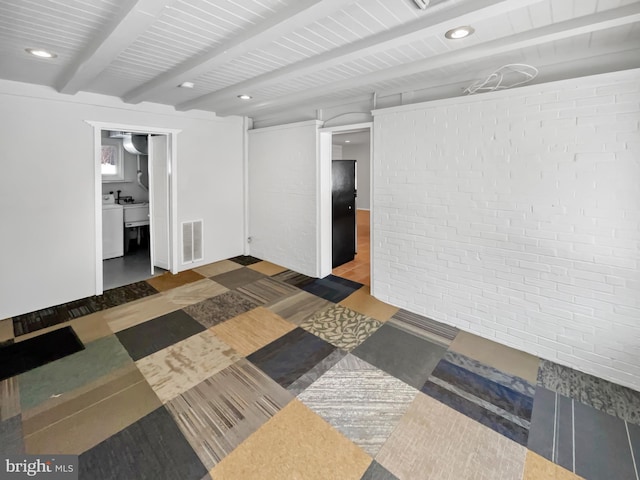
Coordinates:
[125,199]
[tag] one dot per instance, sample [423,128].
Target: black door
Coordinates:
[344,211]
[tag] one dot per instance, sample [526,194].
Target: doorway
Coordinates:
[135,204]
[353,143]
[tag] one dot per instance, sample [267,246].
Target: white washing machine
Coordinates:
[112,228]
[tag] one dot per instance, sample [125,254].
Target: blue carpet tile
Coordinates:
[499,401]
[332,288]
[291,356]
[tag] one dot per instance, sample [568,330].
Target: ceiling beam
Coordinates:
[296,15]
[430,23]
[570,28]
[134,17]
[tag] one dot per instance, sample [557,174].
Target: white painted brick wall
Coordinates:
[282,195]
[515,215]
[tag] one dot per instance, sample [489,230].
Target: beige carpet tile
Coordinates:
[294,444]
[177,368]
[219,413]
[9,398]
[299,307]
[82,421]
[341,327]
[194,292]
[213,269]
[539,468]
[6,330]
[424,327]
[267,268]
[168,280]
[496,355]
[361,301]
[266,290]
[362,402]
[251,331]
[435,442]
[135,313]
[88,328]
[99,358]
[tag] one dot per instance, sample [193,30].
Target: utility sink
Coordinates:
[136,214]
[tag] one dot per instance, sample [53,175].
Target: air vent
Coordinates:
[192,241]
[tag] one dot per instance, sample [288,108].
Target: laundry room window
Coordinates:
[111,161]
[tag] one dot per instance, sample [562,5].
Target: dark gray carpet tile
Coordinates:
[153,448]
[153,335]
[245,260]
[11,440]
[47,317]
[405,356]
[378,472]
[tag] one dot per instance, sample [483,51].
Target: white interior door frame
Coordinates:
[172,137]
[324,194]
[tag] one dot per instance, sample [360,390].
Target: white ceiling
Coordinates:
[303,55]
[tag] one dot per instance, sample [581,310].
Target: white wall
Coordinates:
[47,189]
[283,200]
[516,216]
[336,152]
[361,153]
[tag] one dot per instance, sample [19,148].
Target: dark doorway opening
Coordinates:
[343,196]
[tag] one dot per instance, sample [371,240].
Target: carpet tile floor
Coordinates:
[243,369]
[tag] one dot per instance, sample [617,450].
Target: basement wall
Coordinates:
[515,215]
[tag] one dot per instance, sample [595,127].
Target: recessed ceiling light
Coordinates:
[38,52]
[459,32]
[245,97]
[347,141]
[187,85]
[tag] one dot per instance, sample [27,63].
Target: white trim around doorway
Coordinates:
[172,135]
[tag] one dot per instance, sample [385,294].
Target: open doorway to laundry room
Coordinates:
[135,206]
[351,156]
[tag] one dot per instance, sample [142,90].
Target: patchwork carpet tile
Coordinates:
[251,331]
[245,260]
[296,308]
[137,312]
[266,290]
[11,442]
[434,441]
[168,280]
[497,400]
[499,356]
[267,268]
[583,440]
[20,357]
[341,327]
[362,302]
[9,398]
[288,358]
[332,288]
[213,269]
[151,448]
[216,310]
[99,358]
[424,327]
[539,468]
[378,472]
[401,354]
[238,278]
[89,328]
[600,394]
[295,443]
[185,364]
[194,292]
[159,333]
[301,384]
[363,403]
[79,420]
[218,414]
[294,278]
